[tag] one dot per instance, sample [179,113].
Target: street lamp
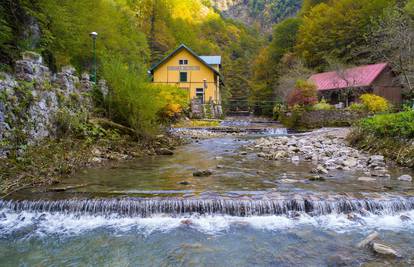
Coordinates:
[94,35]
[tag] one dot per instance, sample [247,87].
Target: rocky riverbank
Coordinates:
[51,161]
[51,125]
[327,149]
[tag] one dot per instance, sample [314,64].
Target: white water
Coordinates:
[70,224]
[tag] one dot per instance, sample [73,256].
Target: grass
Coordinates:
[197,123]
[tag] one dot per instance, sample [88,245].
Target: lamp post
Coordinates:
[94,35]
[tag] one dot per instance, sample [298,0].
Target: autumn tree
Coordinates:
[337,29]
[391,40]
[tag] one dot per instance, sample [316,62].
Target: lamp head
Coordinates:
[94,35]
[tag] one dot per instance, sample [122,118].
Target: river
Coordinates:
[249,212]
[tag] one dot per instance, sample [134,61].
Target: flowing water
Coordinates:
[153,212]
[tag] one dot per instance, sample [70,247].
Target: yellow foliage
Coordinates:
[172,109]
[374,103]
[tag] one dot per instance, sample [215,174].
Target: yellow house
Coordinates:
[198,75]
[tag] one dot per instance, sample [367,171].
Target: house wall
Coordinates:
[197,73]
[387,86]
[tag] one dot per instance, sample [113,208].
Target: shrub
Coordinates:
[137,103]
[395,125]
[374,103]
[357,107]
[304,94]
[278,110]
[322,105]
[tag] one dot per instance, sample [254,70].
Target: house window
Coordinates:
[200,94]
[183,76]
[183,62]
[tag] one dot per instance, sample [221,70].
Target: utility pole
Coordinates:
[94,35]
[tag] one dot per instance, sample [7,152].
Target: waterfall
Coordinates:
[244,207]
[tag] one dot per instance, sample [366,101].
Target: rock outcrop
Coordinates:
[33,101]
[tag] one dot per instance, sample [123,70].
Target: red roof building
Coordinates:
[346,85]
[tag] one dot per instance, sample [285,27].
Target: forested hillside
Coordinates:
[259,13]
[332,35]
[132,36]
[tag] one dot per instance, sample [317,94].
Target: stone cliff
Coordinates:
[34,102]
[263,13]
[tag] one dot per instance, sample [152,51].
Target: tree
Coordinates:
[337,29]
[284,38]
[391,39]
[304,94]
[309,4]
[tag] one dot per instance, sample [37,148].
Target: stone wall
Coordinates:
[324,118]
[205,111]
[32,98]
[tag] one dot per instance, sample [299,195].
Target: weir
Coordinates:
[244,207]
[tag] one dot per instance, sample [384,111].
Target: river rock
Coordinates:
[202,173]
[406,178]
[320,170]
[380,173]
[351,162]
[405,218]
[164,152]
[96,160]
[384,250]
[317,178]
[366,179]
[295,159]
[368,240]
[184,183]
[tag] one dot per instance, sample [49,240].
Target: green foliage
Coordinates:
[284,38]
[322,105]
[278,111]
[337,29]
[135,102]
[307,5]
[409,8]
[357,107]
[292,120]
[395,125]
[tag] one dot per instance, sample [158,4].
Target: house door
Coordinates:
[200,94]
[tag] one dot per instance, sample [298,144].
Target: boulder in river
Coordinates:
[202,173]
[385,250]
[406,178]
[366,179]
[320,170]
[164,152]
[368,240]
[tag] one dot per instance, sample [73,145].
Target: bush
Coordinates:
[395,125]
[357,107]
[137,103]
[322,105]
[278,111]
[374,103]
[304,94]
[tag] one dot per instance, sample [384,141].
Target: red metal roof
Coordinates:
[355,77]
